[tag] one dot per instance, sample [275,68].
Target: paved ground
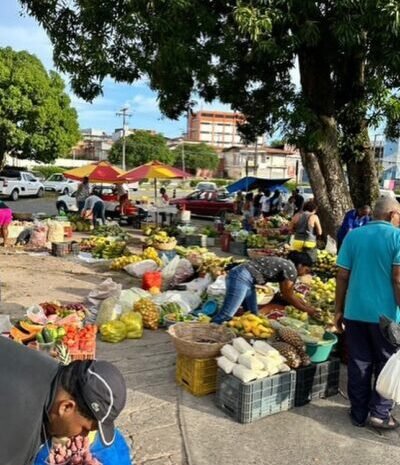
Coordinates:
[167,426]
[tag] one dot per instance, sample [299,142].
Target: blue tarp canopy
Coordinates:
[250,183]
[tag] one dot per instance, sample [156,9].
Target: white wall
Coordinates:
[63,162]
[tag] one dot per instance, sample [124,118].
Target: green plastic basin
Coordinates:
[319,352]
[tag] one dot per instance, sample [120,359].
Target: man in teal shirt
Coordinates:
[368,286]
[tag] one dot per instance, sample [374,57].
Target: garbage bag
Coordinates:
[110,310]
[116,454]
[183,272]
[134,324]
[113,331]
[388,383]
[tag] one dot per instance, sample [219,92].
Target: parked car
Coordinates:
[59,183]
[206,203]
[16,183]
[206,186]
[306,192]
[67,204]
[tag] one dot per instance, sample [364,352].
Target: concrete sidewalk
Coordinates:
[168,426]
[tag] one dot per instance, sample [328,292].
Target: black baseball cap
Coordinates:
[103,389]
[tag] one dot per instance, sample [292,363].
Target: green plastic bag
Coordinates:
[134,324]
[113,331]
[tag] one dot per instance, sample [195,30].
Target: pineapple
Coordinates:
[291,337]
[291,355]
[63,354]
[149,312]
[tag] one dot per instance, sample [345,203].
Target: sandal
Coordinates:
[388,423]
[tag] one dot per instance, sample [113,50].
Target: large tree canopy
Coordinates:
[142,147]
[243,52]
[197,157]
[36,118]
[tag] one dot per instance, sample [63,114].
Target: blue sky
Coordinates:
[23,33]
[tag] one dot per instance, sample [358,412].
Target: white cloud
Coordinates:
[143,104]
[32,39]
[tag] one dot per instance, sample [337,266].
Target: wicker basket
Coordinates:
[200,340]
[266,298]
[165,245]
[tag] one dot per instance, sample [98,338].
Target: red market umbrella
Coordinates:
[99,172]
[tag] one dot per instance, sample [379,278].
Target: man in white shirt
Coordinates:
[95,207]
[265,202]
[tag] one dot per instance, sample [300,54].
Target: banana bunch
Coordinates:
[93,242]
[160,237]
[214,265]
[109,250]
[150,253]
[122,262]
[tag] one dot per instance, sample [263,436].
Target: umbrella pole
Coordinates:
[155,199]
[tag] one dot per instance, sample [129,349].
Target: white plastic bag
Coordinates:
[331,246]
[388,383]
[199,285]
[106,289]
[218,287]
[130,296]
[110,310]
[5,324]
[139,269]
[169,270]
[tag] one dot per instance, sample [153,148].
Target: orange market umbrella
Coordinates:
[99,172]
[153,170]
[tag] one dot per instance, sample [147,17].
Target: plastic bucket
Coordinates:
[320,352]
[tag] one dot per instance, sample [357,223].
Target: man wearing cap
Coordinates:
[40,399]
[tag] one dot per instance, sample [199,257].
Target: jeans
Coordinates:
[99,211]
[81,204]
[368,351]
[240,290]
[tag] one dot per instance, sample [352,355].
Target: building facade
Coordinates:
[261,161]
[217,128]
[95,145]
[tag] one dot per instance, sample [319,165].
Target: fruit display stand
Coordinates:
[317,381]
[197,376]
[248,402]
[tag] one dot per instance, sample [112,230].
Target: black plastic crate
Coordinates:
[238,248]
[247,402]
[317,381]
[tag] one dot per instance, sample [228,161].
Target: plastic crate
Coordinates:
[317,381]
[238,248]
[196,240]
[60,249]
[247,402]
[198,376]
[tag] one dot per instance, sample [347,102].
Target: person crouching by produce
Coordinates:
[241,281]
[94,207]
[40,399]
[5,221]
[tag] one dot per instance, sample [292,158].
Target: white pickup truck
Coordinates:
[57,182]
[15,184]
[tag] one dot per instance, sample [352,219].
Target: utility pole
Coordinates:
[124,113]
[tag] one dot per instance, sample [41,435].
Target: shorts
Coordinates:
[5,217]
[300,245]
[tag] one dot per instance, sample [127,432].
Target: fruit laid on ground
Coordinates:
[293,312]
[291,355]
[21,336]
[83,339]
[149,312]
[113,230]
[150,253]
[251,326]
[30,327]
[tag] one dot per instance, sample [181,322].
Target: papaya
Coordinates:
[30,327]
[21,336]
